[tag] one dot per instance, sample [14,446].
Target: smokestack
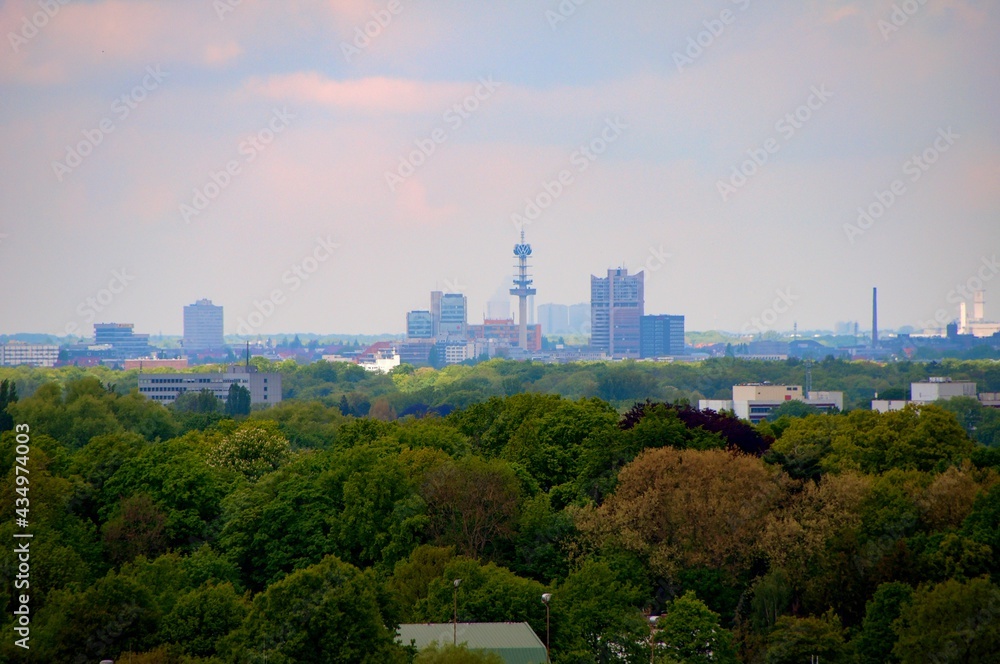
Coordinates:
[963,318]
[979,306]
[874,317]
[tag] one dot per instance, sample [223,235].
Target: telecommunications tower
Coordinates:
[522,289]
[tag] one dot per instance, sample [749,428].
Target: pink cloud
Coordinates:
[377,94]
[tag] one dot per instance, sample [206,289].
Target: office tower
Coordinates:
[616,308]
[120,338]
[579,318]
[661,335]
[419,325]
[453,319]
[202,326]
[554,318]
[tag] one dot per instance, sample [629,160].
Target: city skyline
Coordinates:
[336,161]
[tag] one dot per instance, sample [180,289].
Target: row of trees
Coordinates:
[411,390]
[302,534]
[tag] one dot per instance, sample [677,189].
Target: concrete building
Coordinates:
[976,324]
[990,399]
[147,363]
[419,325]
[453,315]
[507,333]
[756,401]
[661,335]
[554,318]
[120,337]
[202,326]
[579,318]
[941,388]
[616,309]
[382,361]
[265,388]
[14,353]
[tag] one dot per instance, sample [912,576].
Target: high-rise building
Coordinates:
[120,338]
[616,309]
[661,335]
[554,318]
[579,318]
[202,326]
[436,311]
[419,325]
[453,321]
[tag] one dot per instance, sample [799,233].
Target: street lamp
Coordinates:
[652,643]
[455,635]
[548,631]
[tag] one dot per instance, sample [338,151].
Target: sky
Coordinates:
[322,166]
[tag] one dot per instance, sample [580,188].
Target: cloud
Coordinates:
[370,95]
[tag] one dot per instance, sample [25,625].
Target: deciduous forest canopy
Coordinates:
[309,530]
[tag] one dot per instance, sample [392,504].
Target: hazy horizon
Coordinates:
[251,154]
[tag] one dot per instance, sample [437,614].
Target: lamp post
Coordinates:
[455,623]
[548,631]
[652,643]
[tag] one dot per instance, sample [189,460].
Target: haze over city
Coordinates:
[355,156]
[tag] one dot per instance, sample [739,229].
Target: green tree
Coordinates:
[328,613]
[954,621]
[689,633]
[795,640]
[471,503]
[8,395]
[595,616]
[793,408]
[255,448]
[201,402]
[203,616]
[237,401]
[875,642]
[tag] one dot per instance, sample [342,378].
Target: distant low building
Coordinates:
[14,353]
[264,387]
[941,388]
[156,363]
[506,333]
[756,401]
[515,643]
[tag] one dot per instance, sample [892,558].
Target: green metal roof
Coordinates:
[516,643]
